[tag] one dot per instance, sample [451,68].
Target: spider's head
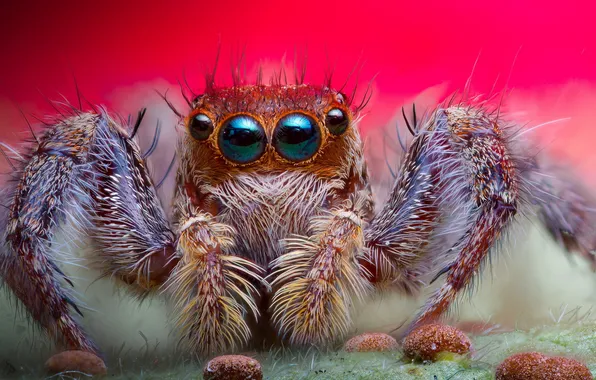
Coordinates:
[266,159]
[270,129]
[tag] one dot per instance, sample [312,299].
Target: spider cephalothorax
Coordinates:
[273,214]
[268,159]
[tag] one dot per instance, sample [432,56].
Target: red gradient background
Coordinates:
[545,51]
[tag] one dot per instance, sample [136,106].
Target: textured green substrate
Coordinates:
[576,341]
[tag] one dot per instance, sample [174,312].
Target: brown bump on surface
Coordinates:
[76,361]
[534,365]
[371,342]
[520,366]
[233,367]
[559,367]
[426,342]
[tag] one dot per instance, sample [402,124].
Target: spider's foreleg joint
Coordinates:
[85,173]
[477,149]
[51,190]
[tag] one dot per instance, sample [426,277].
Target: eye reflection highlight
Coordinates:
[242,139]
[297,137]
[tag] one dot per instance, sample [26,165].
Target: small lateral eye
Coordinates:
[336,121]
[200,127]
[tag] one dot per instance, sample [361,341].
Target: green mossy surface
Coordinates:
[577,341]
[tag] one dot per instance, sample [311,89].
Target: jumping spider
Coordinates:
[274,223]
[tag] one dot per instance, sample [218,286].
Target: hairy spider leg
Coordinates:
[316,279]
[213,289]
[476,171]
[85,173]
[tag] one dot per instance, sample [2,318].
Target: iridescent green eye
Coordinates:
[200,127]
[242,139]
[297,137]
[336,121]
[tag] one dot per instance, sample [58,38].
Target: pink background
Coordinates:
[412,46]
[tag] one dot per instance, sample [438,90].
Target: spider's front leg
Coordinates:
[458,164]
[316,280]
[213,289]
[85,173]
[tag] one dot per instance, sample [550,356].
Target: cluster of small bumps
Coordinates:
[534,365]
[233,367]
[427,342]
[371,342]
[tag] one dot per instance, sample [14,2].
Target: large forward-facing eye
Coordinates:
[242,139]
[297,137]
[336,121]
[200,127]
